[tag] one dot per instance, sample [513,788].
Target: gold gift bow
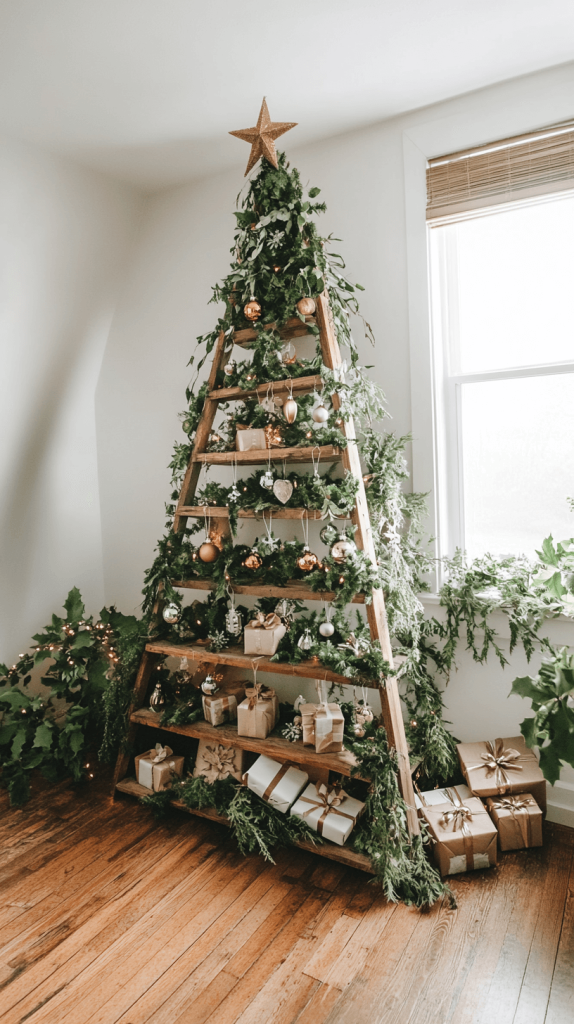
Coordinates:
[498,761]
[258,693]
[221,760]
[329,799]
[460,816]
[518,807]
[160,753]
[264,621]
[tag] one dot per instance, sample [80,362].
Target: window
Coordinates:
[502,315]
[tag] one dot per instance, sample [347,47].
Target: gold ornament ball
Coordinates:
[306,306]
[308,561]
[320,414]
[208,552]
[253,561]
[290,410]
[252,310]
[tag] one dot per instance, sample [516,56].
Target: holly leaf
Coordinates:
[525,686]
[19,741]
[43,737]
[548,553]
[74,606]
[529,731]
[83,639]
[7,732]
[313,192]
[550,764]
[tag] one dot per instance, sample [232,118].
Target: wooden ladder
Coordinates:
[281,749]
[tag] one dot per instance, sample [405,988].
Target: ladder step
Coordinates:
[235,657]
[274,746]
[261,455]
[222,512]
[294,328]
[299,385]
[292,591]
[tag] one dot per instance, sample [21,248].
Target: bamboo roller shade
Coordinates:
[539,163]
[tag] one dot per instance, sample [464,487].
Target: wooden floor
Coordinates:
[108,917]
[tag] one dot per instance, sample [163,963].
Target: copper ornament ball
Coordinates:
[252,310]
[306,306]
[208,552]
[253,561]
[290,410]
[308,561]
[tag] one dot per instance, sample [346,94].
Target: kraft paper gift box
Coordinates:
[438,796]
[465,836]
[258,714]
[278,784]
[215,761]
[496,767]
[518,820]
[221,707]
[250,438]
[329,811]
[156,768]
[323,726]
[262,634]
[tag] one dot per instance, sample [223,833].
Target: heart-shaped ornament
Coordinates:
[283,489]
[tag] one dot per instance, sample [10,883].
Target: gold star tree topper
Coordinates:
[262,137]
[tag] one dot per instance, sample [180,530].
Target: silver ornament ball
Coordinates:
[209,685]
[326,629]
[171,613]
[320,414]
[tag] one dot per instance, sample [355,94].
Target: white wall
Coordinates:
[64,241]
[373,182]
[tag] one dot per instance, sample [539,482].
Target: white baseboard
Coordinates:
[561,803]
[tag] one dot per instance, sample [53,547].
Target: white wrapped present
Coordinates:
[278,784]
[262,634]
[156,768]
[329,811]
[249,439]
[439,796]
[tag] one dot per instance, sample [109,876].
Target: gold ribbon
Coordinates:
[160,753]
[265,621]
[518,806]
[498,761]
[258,693]
[329,798]
[221,761]
[459,817]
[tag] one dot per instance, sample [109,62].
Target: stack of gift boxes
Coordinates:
[502,805]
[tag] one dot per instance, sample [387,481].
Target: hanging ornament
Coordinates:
[229,367]
[209,685]
[253,560]
[358,730]
[266,480]
[171,613]
[328,535]
[157,700]
[308,560]
[233,620]
[320,414]
[285,610]
[273,436]
[268,404]
[187,426]
[290,410]
[282,489]
[234,493]
[208,552]
[326,629]
[306,306]
[343,549]
[305,641]
[252,309]
[288,354]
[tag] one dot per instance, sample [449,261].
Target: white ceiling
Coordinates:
[147,89]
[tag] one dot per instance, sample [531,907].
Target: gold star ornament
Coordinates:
[262,137]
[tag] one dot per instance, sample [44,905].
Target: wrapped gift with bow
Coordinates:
[329,810]
[156,768]
[258,714]
[518,820]
[437,796]
[262,634]
[278,784]
[323,723]
[221,707]
[215,761]
[249,438]
[501,766]
[463,832]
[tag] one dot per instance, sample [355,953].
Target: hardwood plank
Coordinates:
[292,591]
[326,453]
[302,385]
[293,328]
[348,963]
[234,656]
[535,991]
[561,1002]
[322,1005]
[222,512]
[320,964]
